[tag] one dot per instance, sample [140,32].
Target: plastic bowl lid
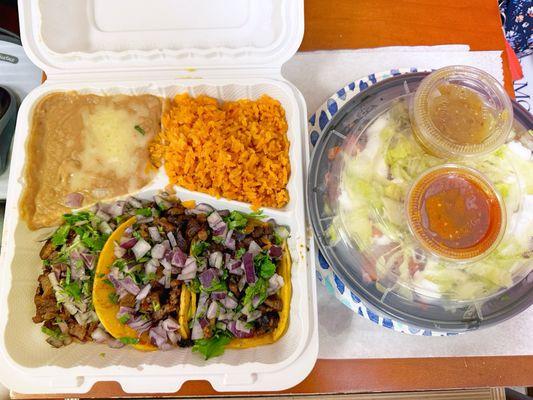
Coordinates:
[361,171]
[460,112]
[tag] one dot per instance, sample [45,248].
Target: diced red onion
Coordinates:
[158,251]
[141,248]
[275,252]
[256,301]
[186,277]
[144,292]
[166,264]
[156,338]
[127,243]
[105,228]
[274,284]
[172,239]
[230,242]
[162,203]
[103,216]
[232,327]
[63,327]
[216,223]
[253,316]
[218,295]
[119,251]
[115,344]
[249,269]
[190,265]
[125,310]
[242,283]
[206,277]
[166,244]
[154,233]
[116,209]
[229,302]
[170,324]
[140,325]
[282,232]
[128,284]
[99,335]
[162,280]
[74,200]
[179,258]
[215,259]
[212,310]
[241,326]
[197,331]
[254,248]
[134,202]
[173,337]
[201,208]
[203,322]
[141,219]
[151,266]
[88,259]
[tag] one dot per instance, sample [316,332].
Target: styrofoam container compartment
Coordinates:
[227,50]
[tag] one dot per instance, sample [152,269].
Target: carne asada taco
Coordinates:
[138,292]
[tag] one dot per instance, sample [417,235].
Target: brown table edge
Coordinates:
[367,375]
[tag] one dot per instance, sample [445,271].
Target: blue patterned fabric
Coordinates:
[517,16]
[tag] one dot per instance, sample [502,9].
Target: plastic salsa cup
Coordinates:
[459,112]
[455,213]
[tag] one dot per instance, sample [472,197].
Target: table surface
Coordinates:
[375,23]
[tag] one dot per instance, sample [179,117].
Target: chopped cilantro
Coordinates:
[156,306]
[239,253]
[148,277]
[60,235]
[214,346]
[113,297]
[47,263]
[145,212]
[100,275]
[78,217]
[124,318]
[236,220]
[139,129]
[216,286]
[219,239]
[86,288]
[258,289]
[67,277]
[55,333]
[129,340]
[264,265]
[194,285]
[108,282]
[137,235]
[198,248]
[73,289]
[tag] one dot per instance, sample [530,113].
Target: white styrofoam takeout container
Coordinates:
[225,49]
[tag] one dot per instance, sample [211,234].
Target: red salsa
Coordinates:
[455,213]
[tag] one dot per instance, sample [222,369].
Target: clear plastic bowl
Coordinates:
[459,112]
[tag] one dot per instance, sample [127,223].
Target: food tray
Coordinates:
[29,364]
[327,272]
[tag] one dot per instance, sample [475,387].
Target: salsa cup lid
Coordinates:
[460,112]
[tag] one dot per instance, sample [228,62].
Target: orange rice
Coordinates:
[238,150]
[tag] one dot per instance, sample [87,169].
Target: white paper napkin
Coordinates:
[319,74]
[343,334]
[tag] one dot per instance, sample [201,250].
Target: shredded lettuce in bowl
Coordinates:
[373,184]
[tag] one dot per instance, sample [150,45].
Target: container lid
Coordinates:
[461,112]
[361,172]
[64,36]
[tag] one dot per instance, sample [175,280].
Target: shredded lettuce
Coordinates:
[371,204]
